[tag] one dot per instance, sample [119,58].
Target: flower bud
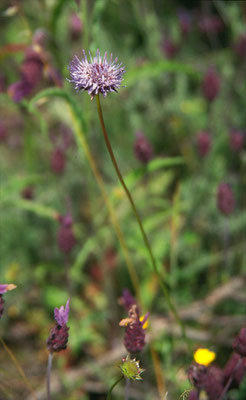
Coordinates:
[58,161]
[225,199]
[142,148]
[75,26]
[211,84]
[239,343]
[203,143]
[236,140]
[65,237]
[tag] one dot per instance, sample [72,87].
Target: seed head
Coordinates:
[97,75]
[131,369]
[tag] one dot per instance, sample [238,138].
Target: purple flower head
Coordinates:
[61,314]
[211,84]
[20,89]
[97,75]
[58,338]
[210,24]
[134,339]
[203,143]
[209,379]
[236,368]
[142,148]
[236,140]
[225,199]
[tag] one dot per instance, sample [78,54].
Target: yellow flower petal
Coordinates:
[204,356]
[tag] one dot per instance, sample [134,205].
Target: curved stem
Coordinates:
[145,238]
[113,386]
[48,374]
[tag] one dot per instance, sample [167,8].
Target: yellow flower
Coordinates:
[204,356]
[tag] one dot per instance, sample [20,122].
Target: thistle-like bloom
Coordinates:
[131,369]
[97,75]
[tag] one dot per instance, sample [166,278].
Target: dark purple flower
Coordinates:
[225,199]
[239,344]
[236,140]
[203,143]
[211,84]
[134,339]
[184,21]
[32,68]
[142,148]
[28,193]
[240,46]
[58,161]
[97,76]
[65,236]
[75,26]
[170,48]
[58,338]
[235,368]
[19,90]
[210,24]
[205,378]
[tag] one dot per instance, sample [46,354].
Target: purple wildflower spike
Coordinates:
[6,287]
[97,75]
[61,314]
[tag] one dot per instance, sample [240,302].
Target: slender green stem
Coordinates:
[145,238]
[109,397]
[48,374]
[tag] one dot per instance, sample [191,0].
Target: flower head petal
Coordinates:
[61,314]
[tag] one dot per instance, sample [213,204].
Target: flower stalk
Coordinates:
[49,366]
[109,397]
[145,238]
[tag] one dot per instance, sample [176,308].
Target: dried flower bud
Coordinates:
[97,76]
[58,161]
[240,46]
[170,48]
[28,193]
[142,148]
[225,199]
[211,84]
[203,143]
[75,26]
[236,140]
[239,343]
[58,338]
[131,369]
[18,90]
